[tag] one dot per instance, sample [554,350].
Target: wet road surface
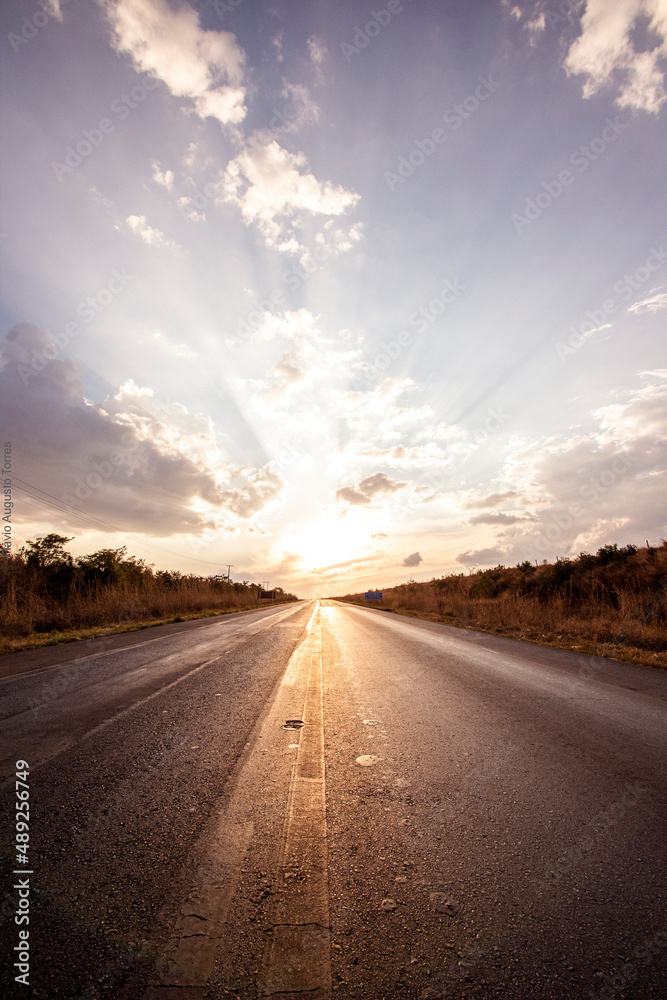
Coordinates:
[323,800]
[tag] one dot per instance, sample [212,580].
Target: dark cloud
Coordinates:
[481,557]
[492,500]
[370,489]
[131,461]
[499,518]
[414,560]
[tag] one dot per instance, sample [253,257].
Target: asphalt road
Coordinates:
[450,814]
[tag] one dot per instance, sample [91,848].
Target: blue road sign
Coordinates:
[373,595]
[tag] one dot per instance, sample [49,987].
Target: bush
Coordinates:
[617,597]
[44,589]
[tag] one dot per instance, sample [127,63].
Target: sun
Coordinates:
[327,542]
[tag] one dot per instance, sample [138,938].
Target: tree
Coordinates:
[109,567]
[48,551]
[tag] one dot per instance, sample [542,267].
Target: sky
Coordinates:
[338,294]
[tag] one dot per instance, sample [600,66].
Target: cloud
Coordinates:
[169,346]
[414,560]
[536,27]
[482,557]
[492,500]
[514,10]
[168,43]
[165,178]
[303,111]
[653,302]
[498,518]
[277,43]
[261,489]
[640,421]
[379,416]
[298,326]
[318,52]
[606,52]
[52,8]
[369,490]
[587,489]
[288,369]
[153,237]
[133,461]
[273,191]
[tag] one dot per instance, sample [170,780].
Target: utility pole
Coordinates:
[229,566]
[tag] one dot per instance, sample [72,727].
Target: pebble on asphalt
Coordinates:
[443,904]
[367,760]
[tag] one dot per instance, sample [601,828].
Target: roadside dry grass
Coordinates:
[613,604]
[47,596]
[35,640]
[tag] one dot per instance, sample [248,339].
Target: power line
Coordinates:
[93,522]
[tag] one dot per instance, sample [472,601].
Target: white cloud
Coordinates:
[188,210]
[536,27]
[277,43]
[606,54]
[653,302]
[640,420]
[303,110]
[168,43]
[171,347]
[153,237]
[586,489]
[165,178]
[52,8]
[298,327]
[318,52]
[289,369]
[272,189]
